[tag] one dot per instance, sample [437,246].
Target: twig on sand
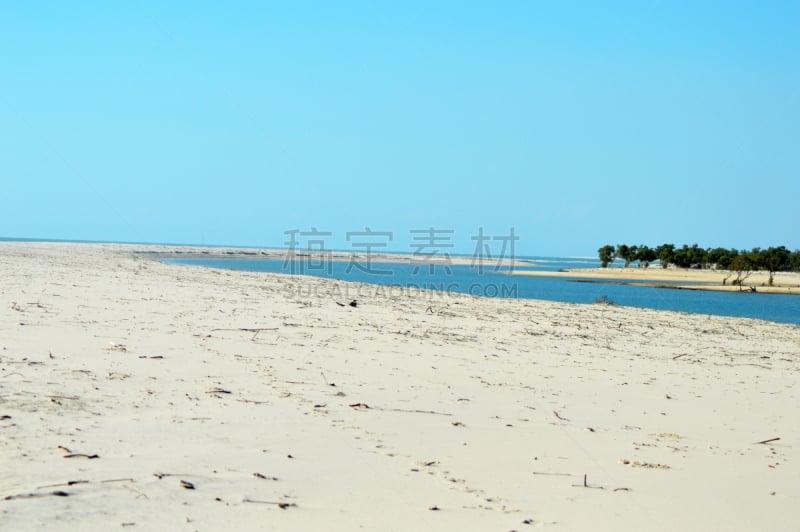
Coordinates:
[413,411]
[254,330]
[264,477]
[74,482]
[559,416]
[249,329]
[586,485]
[68,483]
[57,493]
[162,475]
[281,505]
[763,442]
[365,406]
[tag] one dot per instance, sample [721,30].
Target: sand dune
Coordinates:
[146,396]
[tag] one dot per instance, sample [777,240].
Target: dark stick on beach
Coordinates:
[281,505]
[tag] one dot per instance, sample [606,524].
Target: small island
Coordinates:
[771,270]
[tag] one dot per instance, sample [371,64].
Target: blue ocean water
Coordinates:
[492,282]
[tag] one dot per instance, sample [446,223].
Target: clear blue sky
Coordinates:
[576,123]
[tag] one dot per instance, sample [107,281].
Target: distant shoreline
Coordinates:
[232,253]
[161,250]
[681,278]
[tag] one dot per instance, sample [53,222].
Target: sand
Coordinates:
[146,396]
[683,278]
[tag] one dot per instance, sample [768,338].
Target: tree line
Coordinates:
[772,259]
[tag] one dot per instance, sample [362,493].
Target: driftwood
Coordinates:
[586,485]
[68,483]
[57,493]
[162,475]
[252,401]
[74,482]
[365,406]
[254,330]
[281,505]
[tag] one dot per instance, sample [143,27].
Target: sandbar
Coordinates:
[681,278]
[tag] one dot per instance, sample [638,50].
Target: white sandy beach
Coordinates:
[138,395]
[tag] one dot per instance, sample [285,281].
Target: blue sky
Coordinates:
[576,123]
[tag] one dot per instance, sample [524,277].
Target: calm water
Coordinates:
[491,283]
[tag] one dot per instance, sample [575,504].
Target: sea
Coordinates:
[489,280]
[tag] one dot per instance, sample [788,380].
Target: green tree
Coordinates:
[794,260]
[733,253]
[719,258]
[682,258]
[645,255]
[743,266]
[697,257]
[626,253]
[665,253]
[774,259]
[606,255]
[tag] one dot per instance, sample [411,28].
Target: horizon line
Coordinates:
[245,246]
